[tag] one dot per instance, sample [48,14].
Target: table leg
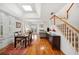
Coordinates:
[15,43]
[25,42]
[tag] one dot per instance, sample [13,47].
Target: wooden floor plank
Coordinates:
[38,47]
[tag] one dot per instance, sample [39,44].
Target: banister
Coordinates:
[65,21]
[70,32]
[69,9]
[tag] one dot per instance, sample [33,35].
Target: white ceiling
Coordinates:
[40,10]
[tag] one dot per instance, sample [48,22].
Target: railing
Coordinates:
[70,32]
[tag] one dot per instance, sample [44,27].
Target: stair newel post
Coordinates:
[54,20]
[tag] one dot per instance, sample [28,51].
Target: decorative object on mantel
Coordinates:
[18,25]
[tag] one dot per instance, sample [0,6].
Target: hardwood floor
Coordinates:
[38,47]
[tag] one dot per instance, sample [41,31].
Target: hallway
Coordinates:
[44,19]
[38,47]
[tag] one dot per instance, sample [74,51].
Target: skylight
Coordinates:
[27,7]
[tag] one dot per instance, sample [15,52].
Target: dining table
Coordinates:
[20,38]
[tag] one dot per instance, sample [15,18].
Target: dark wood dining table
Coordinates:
[25,38]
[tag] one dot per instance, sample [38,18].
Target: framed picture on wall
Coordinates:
[18,25]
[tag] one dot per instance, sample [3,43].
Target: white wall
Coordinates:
[73,14]
[62,11]
[9,27]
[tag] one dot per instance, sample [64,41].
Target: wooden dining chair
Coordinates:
[30,38]
[19,41]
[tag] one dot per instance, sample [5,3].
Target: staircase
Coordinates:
[70,32]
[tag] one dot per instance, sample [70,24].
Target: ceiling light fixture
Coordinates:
[27,7]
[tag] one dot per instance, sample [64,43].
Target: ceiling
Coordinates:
[40,10]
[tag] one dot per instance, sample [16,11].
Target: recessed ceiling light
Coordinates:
[27,7]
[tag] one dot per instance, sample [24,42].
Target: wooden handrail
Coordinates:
[65,21]
[69,9]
